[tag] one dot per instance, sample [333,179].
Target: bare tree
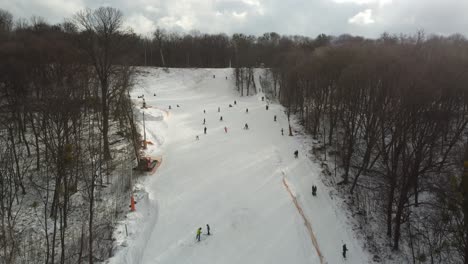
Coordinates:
[102,41]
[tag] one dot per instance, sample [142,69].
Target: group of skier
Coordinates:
[314,190]
[296,155]
[246,126]
[199,232]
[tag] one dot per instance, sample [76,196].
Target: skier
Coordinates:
[266,107]
[230,105]
[169,107]
[344,250]
[247,110]
[204,121]
[282,132]
[214,76]
[221,118]
[263,98]
[225,129]
[274,118]
[205,130]
[235,102]
[296,154]
[198,234]
[154,94]
[208,228]
[218,109]
[178,106]
[246,126]
[314,190]
[204,111]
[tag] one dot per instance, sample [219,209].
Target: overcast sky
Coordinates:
[367,18]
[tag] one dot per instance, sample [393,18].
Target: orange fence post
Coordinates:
[132,204]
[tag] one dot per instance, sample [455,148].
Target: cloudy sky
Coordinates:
[368,18]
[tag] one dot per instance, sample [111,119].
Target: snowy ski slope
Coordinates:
[235,182]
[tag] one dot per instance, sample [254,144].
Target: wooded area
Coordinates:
[64,97]
[394,111]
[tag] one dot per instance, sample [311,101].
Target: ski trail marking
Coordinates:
[306,222]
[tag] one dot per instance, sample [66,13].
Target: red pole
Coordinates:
[132,203]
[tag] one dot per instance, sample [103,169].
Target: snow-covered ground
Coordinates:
[237,182]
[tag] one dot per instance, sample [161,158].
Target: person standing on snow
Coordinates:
[204,111]
[274,118]
[221,118]
[246,126]
[235,102]
[208,228]
[198,234]
[204,121]
[282,132]
[344,250]
[247,110]
[296,154]
[205,130]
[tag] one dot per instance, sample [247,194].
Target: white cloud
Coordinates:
[362,18]
[358,2]
[252,2]
[239,15]
[305,17]
[176,22]
[55,9]
[152,9]
[140,24]
[364,2]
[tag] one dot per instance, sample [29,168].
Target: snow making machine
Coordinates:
[147,164]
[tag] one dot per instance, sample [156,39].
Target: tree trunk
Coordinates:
[105,120]
[391,193]
[91,216]
[464,185]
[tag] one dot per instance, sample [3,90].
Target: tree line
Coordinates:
[64,100]
[394,113]
[196,49]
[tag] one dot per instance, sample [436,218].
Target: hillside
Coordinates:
[246,184]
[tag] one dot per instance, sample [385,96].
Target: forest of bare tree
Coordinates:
[392,116]
[64,100]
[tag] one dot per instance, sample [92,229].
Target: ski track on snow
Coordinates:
[234,181]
